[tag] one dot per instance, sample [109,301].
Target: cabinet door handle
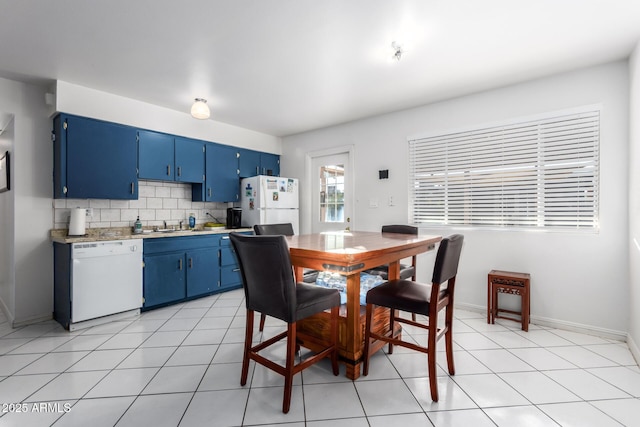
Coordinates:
[209,189]
[132,188]
[179,171]
[235,270]
[180,263]
[257,170]
[190,262]
[168,170]
[225,237]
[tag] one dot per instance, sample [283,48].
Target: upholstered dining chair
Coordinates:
[428,300]
[284,229]
[270,288]
[406,271]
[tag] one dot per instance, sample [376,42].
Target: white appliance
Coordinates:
[106,278]
[269,200]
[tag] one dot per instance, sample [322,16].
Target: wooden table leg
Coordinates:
[489,301]
[394,270]
[354,329]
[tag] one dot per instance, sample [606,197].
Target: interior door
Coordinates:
[332,198]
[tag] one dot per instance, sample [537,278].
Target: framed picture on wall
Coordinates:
[5,184]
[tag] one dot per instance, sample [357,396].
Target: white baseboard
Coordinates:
[31,320]
[633,346]
[6,311]
[471,307]
[560,324]
[23,322]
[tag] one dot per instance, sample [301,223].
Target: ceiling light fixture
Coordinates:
[200,109]
[397,51]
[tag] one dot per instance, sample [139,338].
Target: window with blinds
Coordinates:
[540,174]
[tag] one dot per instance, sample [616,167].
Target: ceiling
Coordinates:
[286,66]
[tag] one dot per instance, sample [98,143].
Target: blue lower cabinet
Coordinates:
[180,268]
[202,272]
[230,275]
[164,279]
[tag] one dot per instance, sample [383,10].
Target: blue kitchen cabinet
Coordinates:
[156,156]
[180,268]
[252,163]
[221,175]
[189,160]
[165,157]
[248,162]
[93,159]
[230,275]
[164,278]
[202,271]
[269,164]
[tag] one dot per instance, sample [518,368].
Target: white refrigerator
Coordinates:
[269,200]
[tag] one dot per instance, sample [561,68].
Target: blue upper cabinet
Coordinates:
[252,163]
[156,156]
[269,164]
[221,171]
[94,159]
[166,157]
[249,162]
[189,159]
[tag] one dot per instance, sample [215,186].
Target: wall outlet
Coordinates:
[89,212]
[390,200]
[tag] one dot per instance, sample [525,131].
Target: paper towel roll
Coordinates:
[77,222]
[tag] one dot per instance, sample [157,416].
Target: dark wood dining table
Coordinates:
[349,254]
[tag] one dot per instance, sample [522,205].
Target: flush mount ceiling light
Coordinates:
[200,109]
[397,51]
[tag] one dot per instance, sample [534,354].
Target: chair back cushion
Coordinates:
[267,275]
[285,229]
[400,229]
[446,265]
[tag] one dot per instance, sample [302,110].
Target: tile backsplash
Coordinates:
[157,202]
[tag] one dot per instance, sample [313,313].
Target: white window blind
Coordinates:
[540,173]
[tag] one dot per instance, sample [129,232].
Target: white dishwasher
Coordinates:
[106,278]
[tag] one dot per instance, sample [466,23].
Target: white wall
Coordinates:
[82,101]
[634,203]
[579,281]
[7,271]
[31,162]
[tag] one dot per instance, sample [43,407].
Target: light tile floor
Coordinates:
[180,365]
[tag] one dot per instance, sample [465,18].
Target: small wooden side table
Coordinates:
[508,282]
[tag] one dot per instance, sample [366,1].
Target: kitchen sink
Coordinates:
[165,230]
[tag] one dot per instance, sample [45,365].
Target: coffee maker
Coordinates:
[234,217]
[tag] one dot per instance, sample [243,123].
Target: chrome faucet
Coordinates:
[181,224]
[165,224]
[214,218]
